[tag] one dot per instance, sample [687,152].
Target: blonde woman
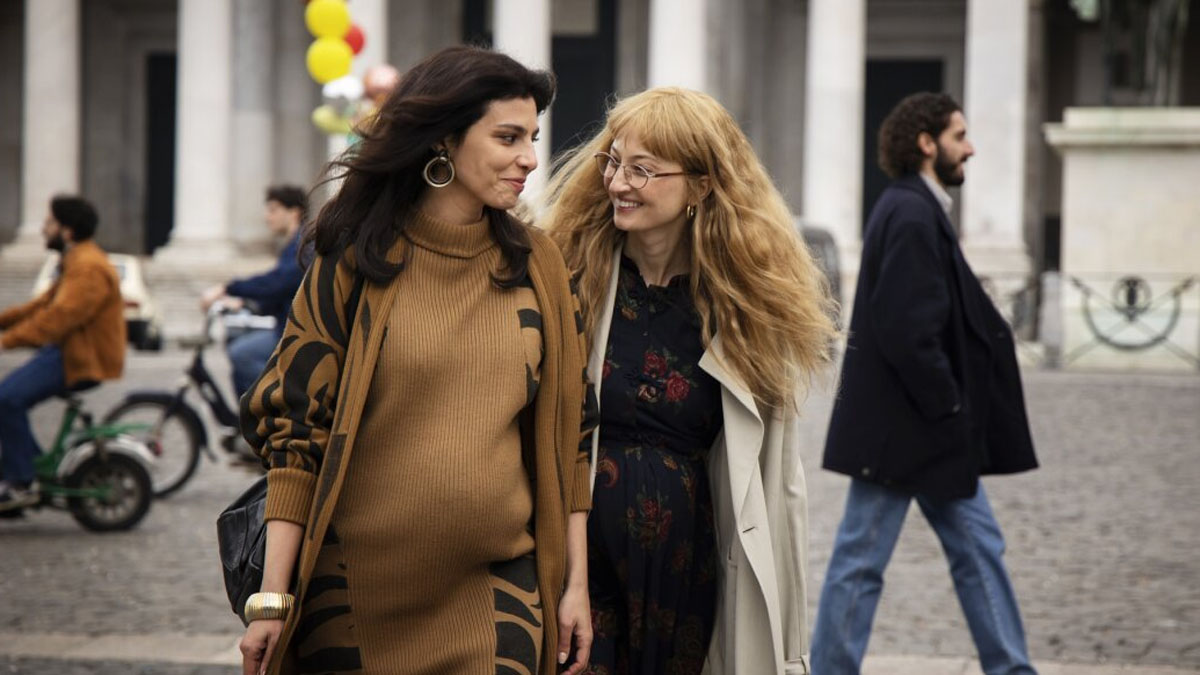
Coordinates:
[707,320]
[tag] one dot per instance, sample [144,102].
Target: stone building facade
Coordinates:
[173,115]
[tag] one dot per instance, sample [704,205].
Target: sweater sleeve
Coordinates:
[287,416]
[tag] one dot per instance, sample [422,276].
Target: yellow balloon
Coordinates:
[329,121]
[328,59]
[327,18]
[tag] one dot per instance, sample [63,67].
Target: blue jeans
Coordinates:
[974,547]
[248,354]
[39,379]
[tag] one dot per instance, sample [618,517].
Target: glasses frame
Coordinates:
[630,169]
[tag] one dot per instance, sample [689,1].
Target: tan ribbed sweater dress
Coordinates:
[431,534]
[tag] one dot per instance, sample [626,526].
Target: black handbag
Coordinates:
[241,531]
[242,541]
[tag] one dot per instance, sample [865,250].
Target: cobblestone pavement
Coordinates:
[1103,543]
[1103,539]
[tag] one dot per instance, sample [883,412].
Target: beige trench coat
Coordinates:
[761,507]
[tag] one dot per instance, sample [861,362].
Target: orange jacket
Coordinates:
[82,313]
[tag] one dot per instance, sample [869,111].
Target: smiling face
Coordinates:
[662,202]
[496,154]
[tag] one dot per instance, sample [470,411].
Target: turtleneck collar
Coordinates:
[457,241]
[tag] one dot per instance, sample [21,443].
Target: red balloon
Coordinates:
[355,38]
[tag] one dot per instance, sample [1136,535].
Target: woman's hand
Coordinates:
[258,644]
[575,620]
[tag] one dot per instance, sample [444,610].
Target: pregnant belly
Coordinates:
[439,519]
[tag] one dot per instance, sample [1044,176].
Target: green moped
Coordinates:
[100,473]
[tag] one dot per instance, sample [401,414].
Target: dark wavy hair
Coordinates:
[439,98]
[927,112]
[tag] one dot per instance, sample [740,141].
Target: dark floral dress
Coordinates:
[651,542]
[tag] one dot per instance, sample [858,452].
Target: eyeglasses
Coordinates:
[636,175]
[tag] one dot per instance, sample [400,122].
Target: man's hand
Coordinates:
[211,296]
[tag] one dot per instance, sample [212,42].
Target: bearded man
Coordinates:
[77,328]
[930,400]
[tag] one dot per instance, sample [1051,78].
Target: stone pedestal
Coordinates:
[1130,237]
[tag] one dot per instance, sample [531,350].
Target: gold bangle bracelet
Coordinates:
[268,606]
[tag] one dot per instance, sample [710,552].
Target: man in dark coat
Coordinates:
[271,292]
[930,399]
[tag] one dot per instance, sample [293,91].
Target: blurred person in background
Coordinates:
[930,399]
[78,329]
[708,319]
[269,293]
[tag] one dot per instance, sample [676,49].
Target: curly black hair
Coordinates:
[927,112]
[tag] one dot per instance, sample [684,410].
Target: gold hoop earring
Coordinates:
[691,211]
[440,163]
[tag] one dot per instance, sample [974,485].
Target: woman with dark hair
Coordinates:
[436,339]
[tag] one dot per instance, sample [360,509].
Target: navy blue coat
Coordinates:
[274,289]
[930,395]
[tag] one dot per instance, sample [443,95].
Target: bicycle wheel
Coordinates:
[128,498]
[172,438]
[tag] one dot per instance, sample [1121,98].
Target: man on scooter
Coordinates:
[78,329]
[271,292]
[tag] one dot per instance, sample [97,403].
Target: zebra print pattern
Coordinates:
[324,637]
[288,415]
[531,335]
[518,616]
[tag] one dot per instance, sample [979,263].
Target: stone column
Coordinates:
[203,154]
[299,147]
[50,161]
[993,196]
[372,17]
[835,73]
[679,44]
[521,29]
[253,118]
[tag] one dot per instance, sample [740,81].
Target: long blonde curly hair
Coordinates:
[752,278]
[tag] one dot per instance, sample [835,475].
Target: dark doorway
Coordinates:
[585,65]
[160,149]
[889,81]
